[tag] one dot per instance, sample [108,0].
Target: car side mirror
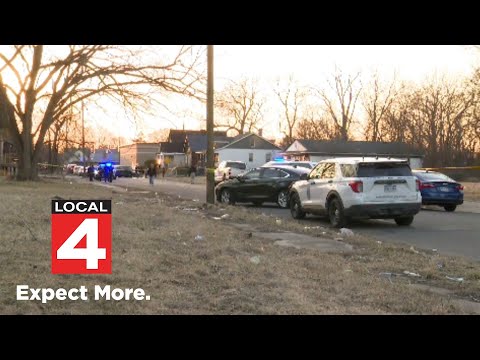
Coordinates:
[304,177]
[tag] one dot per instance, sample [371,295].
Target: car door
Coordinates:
[319,187]
[272,181]
[305,186]
[249,185]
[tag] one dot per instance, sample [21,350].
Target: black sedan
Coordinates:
[259,185]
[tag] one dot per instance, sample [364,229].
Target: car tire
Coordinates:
[296,208]
[450,208]
[282,199]
[336,213]
[404,220]
[226,197]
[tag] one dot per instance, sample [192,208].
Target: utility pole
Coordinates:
[210,154]
[83,137]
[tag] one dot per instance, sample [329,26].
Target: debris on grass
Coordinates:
[413,250]
[278,222]
[409,273]
[200,238]
[346,232]
[255,259]
[224,216]
[459,279]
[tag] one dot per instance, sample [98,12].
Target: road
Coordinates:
[455,233]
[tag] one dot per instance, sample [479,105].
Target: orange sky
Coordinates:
[311,65]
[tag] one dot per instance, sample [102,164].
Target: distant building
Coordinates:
[8,154]
[136,154]
[316,150]
[172,154]
[253,149]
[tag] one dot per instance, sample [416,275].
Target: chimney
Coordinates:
[260,132]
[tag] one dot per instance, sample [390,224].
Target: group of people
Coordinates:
[105,173]
[152,173]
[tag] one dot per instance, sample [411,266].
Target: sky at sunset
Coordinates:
[309,65]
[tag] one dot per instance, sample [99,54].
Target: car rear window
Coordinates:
[236,165]
[383,169]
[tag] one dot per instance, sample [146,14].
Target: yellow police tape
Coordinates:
[451,168]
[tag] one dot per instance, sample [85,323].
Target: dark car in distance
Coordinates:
[259,185]
[123,171]
[439,189]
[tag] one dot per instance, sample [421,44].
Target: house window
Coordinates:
[268,157]
[250,157]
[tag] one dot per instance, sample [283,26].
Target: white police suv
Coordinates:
[360,188]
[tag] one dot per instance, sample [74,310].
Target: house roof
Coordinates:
[251,141]
[199,142]
[174,147]
[352,148]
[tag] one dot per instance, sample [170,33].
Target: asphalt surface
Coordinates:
[456,233]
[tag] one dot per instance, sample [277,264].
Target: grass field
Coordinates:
[472,191]
[227,272]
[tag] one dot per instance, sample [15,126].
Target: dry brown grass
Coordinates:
[472,191]
[154,248]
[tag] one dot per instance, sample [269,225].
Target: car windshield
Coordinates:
[383,169]
[236,165]
[428,176]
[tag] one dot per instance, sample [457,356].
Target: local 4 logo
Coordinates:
[81,236]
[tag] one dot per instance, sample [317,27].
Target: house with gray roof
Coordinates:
[316,150]
[253,149]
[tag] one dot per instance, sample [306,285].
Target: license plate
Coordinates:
[390,188]
[444,188]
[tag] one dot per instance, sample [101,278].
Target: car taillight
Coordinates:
[459,187]
[417,182]
[426,186]
[357,186]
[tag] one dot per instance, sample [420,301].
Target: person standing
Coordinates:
[152,173]
[164,169]
[91,172]
[193,173]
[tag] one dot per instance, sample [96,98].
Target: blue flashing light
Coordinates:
[108,164]
[279,159]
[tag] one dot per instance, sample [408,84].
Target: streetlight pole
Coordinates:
[210,153]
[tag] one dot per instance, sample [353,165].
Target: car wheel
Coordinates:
[336,214]
[282,199]
[450,208]
[257,203]
[226,197]
[404,220]
[296,208]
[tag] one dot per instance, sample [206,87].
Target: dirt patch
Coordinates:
[191,260]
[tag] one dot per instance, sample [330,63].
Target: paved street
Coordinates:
[433,228]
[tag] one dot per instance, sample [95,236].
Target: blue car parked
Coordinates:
[438,189]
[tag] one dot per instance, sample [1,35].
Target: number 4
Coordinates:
[91,253]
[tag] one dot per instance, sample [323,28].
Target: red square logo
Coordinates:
[81,236]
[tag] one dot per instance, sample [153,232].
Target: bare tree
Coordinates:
[377,100]
[341,104]
[316,126]
[242,103]
[292,97]
[62,80]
